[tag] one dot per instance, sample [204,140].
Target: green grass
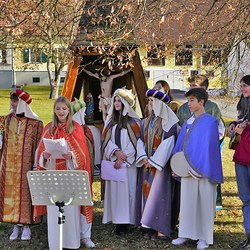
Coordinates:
[41,104]
[228,230]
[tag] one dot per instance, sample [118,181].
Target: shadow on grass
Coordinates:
[103,237]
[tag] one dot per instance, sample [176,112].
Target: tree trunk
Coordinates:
[54,90]
[54,81]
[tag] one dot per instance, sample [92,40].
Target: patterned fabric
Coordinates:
[21,138]
[156,189]
[77,105]
[133,131]
[77,143]
[20,93]
[91,147]
[158,94]
[2,126]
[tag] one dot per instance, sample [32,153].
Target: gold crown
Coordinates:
[76,105]
[127,95]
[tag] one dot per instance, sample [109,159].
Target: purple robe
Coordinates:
[161,188]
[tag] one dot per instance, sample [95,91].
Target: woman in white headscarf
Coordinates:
[155,190]
[120,135]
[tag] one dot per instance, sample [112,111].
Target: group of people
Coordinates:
[149,194]
[152,196]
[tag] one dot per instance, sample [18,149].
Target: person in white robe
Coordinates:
[198,190]
[76,157]
[120,134]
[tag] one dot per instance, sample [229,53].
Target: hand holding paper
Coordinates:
[56,148]
[109,172]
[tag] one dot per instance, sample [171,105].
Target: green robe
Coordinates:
[210,107]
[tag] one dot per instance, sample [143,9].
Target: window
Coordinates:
[36,79]
[183,55]
[210,55]
[3,56]
[193,72]
[156,55]
[62,79]
[34,56]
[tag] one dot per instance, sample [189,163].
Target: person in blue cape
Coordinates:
[199,141]
[201,81]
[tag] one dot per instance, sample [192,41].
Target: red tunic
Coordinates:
[77,143]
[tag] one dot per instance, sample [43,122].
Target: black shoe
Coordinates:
[245,244]
[120,229]
[117,230]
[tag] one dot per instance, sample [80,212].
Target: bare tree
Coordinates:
[47,26]
[108,26]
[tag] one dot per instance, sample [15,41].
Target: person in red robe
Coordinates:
[77,157]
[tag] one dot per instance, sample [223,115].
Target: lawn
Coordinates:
[228,230]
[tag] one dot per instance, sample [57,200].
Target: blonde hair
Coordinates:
[69,122]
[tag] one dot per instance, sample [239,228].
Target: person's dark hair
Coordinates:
[119,119]
[239,104]
[199,93]
[166,88]
[246,79]
[243,106]
[201,80]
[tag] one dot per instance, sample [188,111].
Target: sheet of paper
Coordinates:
[108,172]
[55,147]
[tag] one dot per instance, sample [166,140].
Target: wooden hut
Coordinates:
[90,55]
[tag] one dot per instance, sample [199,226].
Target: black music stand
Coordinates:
[60,188]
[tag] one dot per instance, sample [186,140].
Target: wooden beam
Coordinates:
[140,81]
[70,81]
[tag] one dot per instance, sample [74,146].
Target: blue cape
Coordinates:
[201,147]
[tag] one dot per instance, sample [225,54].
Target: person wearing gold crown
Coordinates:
[76,157]
[21,135]
[78,109]
[155,184]
[120,135]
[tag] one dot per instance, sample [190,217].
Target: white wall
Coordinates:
[238,66]
[24,77]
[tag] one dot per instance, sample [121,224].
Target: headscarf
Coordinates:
[161,109]
[128,100]
[23,104]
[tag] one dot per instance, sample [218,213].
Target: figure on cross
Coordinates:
[106,82]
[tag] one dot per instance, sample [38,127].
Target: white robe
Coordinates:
[197,211]
[71,227]
[119,199]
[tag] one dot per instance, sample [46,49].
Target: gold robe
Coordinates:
[20,140]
